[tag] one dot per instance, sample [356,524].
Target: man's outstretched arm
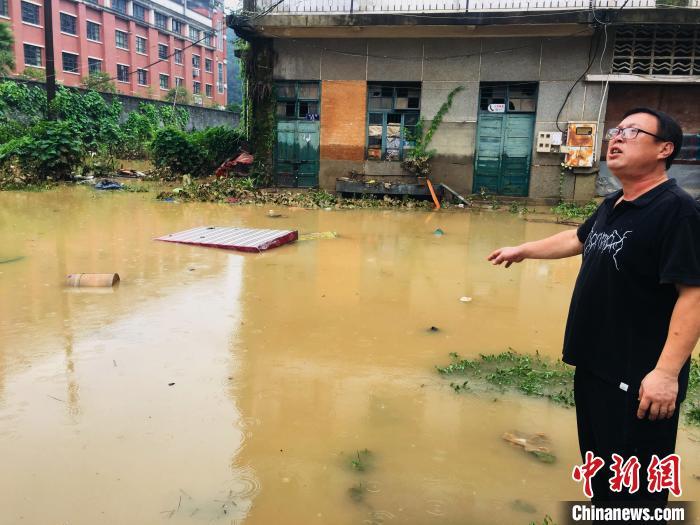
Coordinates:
[563,244]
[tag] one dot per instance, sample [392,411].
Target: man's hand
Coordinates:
[657,394]
[509,255]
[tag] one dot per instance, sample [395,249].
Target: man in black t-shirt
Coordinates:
[634,318]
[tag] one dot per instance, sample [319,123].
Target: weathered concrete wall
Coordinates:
[441,64]
[200,117]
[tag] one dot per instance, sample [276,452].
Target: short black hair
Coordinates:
[668,128]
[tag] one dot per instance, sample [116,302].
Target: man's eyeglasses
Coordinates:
[629,133]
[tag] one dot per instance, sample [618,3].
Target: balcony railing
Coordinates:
[295,7]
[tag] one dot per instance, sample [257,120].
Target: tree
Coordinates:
[7,58]
[99,81]
[179,95]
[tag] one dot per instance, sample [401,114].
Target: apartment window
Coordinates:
[196,88]
[141,44]
[177,26]
[122,73]
[164,81]
[4,10]
[94,65]
[161,20]
[32,55]
[179,81]
[178,56]
[209,40]
[70,62]
[162,51]
[394,111]
[121,39]
[139,12]
[208,90]
[142,77]
[296,100]
[520,97]
[93,31]
[68,24]
[207,65]
[119,5]
[220,81]
[194,33]
[196,61]
[30,13]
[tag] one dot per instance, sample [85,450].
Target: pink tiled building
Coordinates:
[146,46]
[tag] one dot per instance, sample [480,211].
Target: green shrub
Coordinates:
[50,149]
[177,151]
[96,122]
[19,102]
[99,81]
[218,144]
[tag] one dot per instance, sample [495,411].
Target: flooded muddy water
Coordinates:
[218,387]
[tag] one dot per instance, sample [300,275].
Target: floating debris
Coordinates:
[11,259]
[465,299]
[439,233]
[318,235]
[536,444]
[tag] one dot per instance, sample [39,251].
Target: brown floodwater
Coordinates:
[217,387]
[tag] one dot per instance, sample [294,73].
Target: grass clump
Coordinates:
[530,375]
[571,211]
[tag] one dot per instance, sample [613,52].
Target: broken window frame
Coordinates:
[297,101]
[392,90]
[509,90]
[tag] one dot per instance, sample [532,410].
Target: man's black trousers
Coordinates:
[607,423]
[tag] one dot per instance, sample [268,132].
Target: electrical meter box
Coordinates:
[580,144]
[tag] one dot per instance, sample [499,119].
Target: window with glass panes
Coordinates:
[220,81]
[32,55]
[516,98]
[94,65]
[68,24]
[298,100]
[194,33]
[4,8]
[119,5]
[93,31]
[30,13]
[208,91]
[162,51]
[177,26]
[161,20]
[195,61]
[142,77]
[139,12]
[141,45]
[207,65]
[393,110]
[196,88]
[70,62]
[178,56]
[164,81]
[121,39]
[122,73]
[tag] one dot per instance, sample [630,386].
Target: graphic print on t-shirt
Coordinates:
[611,243]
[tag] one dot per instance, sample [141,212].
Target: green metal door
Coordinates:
[503,153]
[296,154]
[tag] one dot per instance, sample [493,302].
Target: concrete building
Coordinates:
[147,47]
[353,77]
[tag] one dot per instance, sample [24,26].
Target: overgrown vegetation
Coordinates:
[99,81]
[418,160]
[571,211]
[88,136]
[538,376]
[7,56]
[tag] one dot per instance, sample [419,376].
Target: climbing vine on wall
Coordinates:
[418,160]
[257,60]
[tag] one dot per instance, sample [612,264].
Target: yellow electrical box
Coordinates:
[580,142]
